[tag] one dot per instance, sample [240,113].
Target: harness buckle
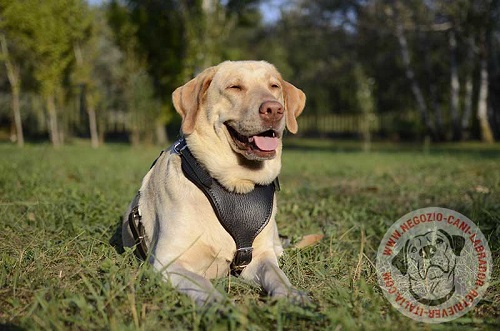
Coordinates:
[179,146]
[241,259]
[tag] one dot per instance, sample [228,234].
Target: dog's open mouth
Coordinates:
[261,146]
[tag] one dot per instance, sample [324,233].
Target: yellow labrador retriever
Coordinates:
[207,205]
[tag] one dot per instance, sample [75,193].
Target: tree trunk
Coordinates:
[366,103]
[468,96]
[417,92]
[161,134]
[135,131]
[16,109]
[13,74]
[94,136]
[482,107]
[434,101]
[467,107]
[454,87]
[440,133]
[53,126]
[135,138]
[101,129]
[89,100]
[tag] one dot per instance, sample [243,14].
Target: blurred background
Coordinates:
[104,70]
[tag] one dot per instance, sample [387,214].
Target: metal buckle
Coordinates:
[136,216]
[179,142]
[241,259]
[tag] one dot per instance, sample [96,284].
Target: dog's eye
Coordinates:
[414,250]
[439,241]
[235,87]
[275,86]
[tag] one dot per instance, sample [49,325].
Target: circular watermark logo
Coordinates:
[434,265]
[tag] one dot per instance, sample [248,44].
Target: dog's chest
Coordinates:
[243,216]
[207,243]
[191,223]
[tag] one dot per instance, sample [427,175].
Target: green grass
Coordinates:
[59,208]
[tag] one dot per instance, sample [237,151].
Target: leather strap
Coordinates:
[243,216]
[137,229]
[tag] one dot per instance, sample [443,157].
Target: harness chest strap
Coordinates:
[243,216]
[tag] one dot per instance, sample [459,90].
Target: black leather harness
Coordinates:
[243,216]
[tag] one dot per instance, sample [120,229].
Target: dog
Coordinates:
[226,163]
[429,259]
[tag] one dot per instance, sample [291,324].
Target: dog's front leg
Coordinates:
[265,271]
[195,286]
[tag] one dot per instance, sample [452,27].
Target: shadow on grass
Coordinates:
[116,239]
[10,327]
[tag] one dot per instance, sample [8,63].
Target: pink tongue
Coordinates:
[266,143]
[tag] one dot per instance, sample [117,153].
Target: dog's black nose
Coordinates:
[428,251]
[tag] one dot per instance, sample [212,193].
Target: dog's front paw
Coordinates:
[293,295]
[208,299]
[299,298]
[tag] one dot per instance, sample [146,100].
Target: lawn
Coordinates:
[59,209]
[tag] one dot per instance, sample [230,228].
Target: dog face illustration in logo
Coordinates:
[429,260]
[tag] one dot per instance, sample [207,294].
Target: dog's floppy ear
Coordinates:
[188,97]
[457,242]
[295,101]
[399,261]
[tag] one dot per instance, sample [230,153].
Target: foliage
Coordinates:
[59,208]
[318,45]
[48,30]
[323,43]
[160,44]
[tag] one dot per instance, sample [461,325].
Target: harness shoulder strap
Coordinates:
[243,216]
[191,166]
[137,229]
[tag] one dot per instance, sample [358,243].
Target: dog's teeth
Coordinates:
[250,139]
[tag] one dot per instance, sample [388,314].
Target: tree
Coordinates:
[51,46]
[48,29]
[313,43]
[108,72]
[439,39]
[14,77]
[400,15]
[86,51]
[192,33]
[471,22]
[12,54]
[468,95]
[364,95]
[484,10]
[206,27]
[137,87]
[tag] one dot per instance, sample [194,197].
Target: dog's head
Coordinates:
[429,256]
[245,105]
